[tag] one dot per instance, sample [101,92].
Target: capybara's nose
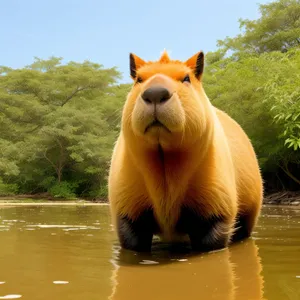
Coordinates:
[156,95]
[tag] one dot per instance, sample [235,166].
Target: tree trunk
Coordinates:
[288,173]
[60,161]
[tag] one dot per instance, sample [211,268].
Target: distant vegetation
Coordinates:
[255,78]
[58,123]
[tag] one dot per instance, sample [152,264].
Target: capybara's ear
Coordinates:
[135,64]
[196,63]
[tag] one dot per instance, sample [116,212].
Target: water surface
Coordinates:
[71,252]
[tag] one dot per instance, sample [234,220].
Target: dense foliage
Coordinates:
[255,78]
[58,123]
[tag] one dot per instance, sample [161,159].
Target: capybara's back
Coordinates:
[181,168]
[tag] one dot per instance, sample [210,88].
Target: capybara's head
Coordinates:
[167,105]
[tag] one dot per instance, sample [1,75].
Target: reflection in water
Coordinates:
[68,265]
[248,277]
[233,273]
[278,236]
[67,254]
[11,297]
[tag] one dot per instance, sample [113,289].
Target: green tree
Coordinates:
[278,29]
[254,77]
[57,125]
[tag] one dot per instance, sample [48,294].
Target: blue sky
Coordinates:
[106,31]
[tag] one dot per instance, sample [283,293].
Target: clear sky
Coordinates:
[106,31]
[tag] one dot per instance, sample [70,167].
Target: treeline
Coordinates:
[58,122]
[57,127]
[255,77]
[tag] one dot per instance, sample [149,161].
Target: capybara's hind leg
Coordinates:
[244,225]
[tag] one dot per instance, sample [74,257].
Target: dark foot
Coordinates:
[217,237]
[137,234]
[241,229]
[206,234]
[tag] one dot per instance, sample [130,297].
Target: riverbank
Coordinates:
[284,198]
[51,203]
[45,202]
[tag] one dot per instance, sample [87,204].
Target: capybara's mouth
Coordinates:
[156,123]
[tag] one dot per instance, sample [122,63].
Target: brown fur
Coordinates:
[201,159]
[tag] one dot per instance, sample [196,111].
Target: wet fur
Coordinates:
[200,182]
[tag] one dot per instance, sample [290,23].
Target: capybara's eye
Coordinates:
[186,78]
[139,80]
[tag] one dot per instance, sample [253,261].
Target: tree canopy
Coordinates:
[58,124]
[255,78]
[278,29]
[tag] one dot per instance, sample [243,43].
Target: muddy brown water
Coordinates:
[71,252]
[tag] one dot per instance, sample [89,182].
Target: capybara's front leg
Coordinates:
[216,237]
[136,234]
[205,233]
